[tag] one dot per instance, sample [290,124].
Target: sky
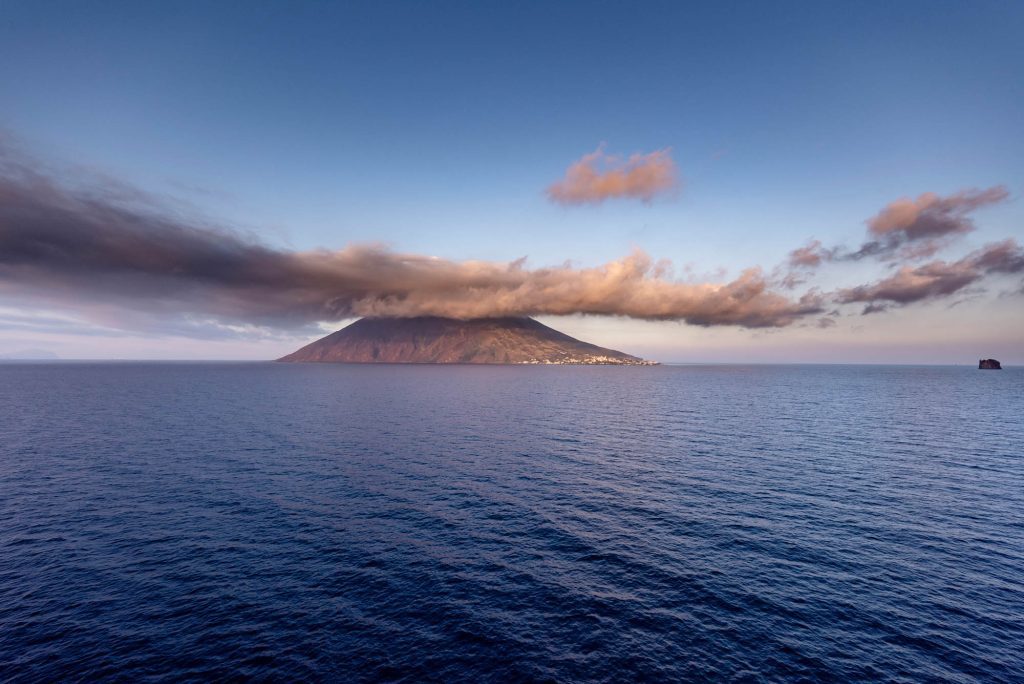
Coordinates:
[226,180]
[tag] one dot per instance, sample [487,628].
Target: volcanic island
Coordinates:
[431,339]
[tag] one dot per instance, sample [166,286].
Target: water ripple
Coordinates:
[386,523]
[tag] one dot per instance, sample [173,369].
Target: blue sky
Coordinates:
[436,127]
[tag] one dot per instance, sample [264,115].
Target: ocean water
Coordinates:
[183,521]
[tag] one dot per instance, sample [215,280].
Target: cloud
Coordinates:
[904,230]
[810,255]
[911,229]
[931,215]
[597,176]
[874,308]
[123,260]
[937,279]
[1001,257]
[909,284]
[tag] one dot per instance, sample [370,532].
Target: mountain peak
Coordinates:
[432,339]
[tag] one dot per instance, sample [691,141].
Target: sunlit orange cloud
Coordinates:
[126,260]
[597,176]
[99,247]
[810,255]
[918,228]
[908,229]
[932,215]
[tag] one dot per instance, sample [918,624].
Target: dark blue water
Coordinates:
[200,521]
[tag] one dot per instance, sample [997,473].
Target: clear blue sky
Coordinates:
[436,126]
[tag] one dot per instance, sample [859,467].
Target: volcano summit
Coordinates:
[429,339]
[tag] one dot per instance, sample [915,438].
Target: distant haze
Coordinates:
[29,355]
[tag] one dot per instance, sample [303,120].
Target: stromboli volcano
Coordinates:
[429,339]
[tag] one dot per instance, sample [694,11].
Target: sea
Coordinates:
[362,523]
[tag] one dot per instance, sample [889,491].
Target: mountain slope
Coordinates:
[429,339]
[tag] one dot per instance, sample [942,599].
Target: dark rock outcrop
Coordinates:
[429,339]
[989,364]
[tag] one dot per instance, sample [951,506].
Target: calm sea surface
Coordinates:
[423,523]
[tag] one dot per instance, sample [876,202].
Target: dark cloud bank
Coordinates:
[121,257]
[107,245]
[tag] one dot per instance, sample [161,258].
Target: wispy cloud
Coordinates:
[937,279]
[909,229]
[930,215]
[597,176]
[903,233]
[810,255]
